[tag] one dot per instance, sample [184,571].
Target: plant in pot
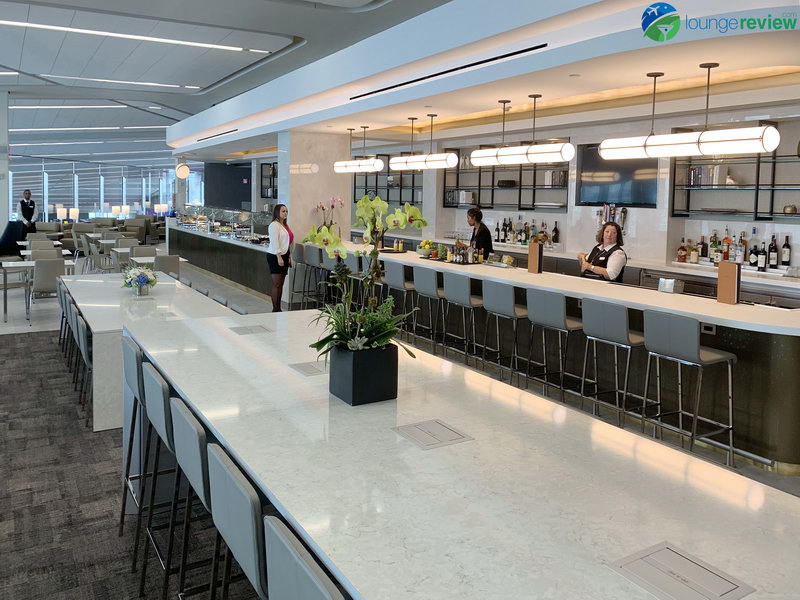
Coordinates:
[140,279]
[358,337]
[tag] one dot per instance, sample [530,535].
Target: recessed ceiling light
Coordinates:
[192,87]
[146,83]
[64,106]
[128,36]
[55,144]
[8,73]
[154,107]
[145,127]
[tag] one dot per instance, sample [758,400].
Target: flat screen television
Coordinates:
[630,182]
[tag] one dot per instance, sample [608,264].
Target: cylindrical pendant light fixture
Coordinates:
[361,165]
[523,155]
[720,142]
[442,160]
[182,170]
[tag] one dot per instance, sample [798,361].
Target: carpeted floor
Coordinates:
[59,489]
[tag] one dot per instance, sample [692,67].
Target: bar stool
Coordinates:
[677,338]
[313,260]
[458,292]
[132,372]
[548,310]
[299,258]
[607,323]
[85,346]
[395,278]
[426,282]
[354,263]
[498,300]
[220,300]
[326,269]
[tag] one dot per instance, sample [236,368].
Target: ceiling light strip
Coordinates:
[361,165]
[129,36]
[65,107]
[117,81]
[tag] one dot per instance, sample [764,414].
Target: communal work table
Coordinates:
[537,502]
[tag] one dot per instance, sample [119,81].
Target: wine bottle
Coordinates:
[741,251]
[556,233]
[762,257]
[773,254]
[694,253]
[786,253]
[682,251]
[753,258]
[497,232]
[703,247]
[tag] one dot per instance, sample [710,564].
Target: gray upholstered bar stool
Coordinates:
[327,267]
[548,310]
[677,338]
[458,292]
[132,373]
[426,283]
[607,323]
[313,259]
[395,279]
[299,258]
[499,302]
[292,573]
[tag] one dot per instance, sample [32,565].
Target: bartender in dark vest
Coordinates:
[29,211]
[607,259]
[481,236]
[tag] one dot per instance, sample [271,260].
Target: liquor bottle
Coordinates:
[556,233]
[703,247]
[726,245]
[741,250]
[786,253]
[682,251]
[773,254]
[762,258]
[694,253]
[743,242]
[714,250]
[497,232]
[753,258]
[505,232]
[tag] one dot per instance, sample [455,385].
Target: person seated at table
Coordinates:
[481,236]
[607,259]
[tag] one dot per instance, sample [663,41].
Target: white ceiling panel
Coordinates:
[40,50]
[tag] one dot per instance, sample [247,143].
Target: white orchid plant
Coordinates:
[370,325]
[138,277]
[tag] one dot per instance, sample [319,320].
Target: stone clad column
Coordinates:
[4,192]
[306,177]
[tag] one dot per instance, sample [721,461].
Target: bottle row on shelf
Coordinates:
[742,251]
[523,233]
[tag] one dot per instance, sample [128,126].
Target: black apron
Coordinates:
[599,258]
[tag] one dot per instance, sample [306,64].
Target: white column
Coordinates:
[5,180]
[306,176]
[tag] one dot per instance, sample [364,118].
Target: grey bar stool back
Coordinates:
[607,323]
[299,258]
[498,300]
[548,310]
[312,256]
[395,279]
[220,300]
[292,573]
[237,309]
[677,338]
[237,513]
[458,292]
[426,283]
[132,372]
[84,345]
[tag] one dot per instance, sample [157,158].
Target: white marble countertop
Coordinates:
[536,506]
[222,238]
[107,306]
[767,319]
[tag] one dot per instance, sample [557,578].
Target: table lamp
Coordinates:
[74,213]
[126,210]
[115,211]
[61,214]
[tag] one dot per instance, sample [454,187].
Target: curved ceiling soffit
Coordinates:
[369,6]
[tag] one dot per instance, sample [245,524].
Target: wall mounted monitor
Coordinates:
[631,182]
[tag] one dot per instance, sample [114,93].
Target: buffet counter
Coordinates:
[240,261]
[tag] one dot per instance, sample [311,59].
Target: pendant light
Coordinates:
[361,165]
[444,160]
[742,140]
[182,169]
[523,155]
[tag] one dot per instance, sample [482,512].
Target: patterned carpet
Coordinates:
[59,489]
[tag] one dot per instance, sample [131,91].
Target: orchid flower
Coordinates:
[310,235]
[330,242]
[396,220]
[414,216]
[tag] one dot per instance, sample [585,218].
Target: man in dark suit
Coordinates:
[28,211]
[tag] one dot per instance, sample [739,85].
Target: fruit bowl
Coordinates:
[426,252]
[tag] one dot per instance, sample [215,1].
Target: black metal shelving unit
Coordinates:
[396,187]
[269,180]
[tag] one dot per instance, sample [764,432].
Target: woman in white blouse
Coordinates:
[279,252]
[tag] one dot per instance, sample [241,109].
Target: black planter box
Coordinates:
[364,376]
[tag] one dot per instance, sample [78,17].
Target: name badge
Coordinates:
[602,258]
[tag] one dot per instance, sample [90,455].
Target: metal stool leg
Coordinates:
[680,401]
[142,491]
[150,511]
[623,411]
[646,390]
[696,408]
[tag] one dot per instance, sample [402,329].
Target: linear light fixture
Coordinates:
[114,128]
[130,36]
[9,73]
[55,144]
[117,81]
[523,155]
[720,142]
[443,160]
[64,106]
[361,165]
